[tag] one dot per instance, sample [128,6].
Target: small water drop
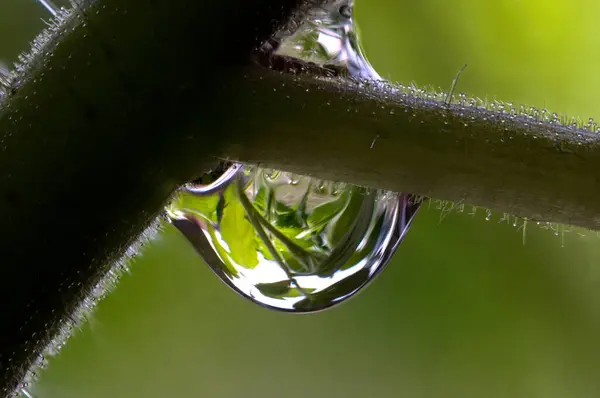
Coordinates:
[320,187]
[292,247]
[293,179]
[336,187]
[592,125]
[272,174]
[488,216]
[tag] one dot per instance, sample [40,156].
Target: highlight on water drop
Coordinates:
[290,242]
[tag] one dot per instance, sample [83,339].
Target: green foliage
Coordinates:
[238,231]
[305,240]
[206,207]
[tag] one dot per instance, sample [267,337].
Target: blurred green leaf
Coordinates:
[274,289]
[288,220]
[324,213]
[204,206]
[260,201]
[293,233]
[348,216]
[237,230]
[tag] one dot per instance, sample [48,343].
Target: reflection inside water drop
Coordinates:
[329,38]
[289,242]
[296,243]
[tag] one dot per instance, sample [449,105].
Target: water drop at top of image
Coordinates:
[289,242]
[329,38]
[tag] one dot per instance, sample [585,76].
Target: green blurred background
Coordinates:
[465,308]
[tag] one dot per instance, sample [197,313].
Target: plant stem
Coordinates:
[380,137]
[91,136]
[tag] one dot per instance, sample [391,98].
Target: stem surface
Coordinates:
[91,136]
[377,136]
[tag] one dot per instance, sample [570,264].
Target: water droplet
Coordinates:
[272,174]
[488,216]
[293,179]
[321,188]
[330,38]
[592,125]
[292,247]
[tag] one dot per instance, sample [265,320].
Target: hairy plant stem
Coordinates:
[378,135]
[91,137]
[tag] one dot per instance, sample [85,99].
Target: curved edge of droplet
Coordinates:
[194,234]
[223,181]
[406,211]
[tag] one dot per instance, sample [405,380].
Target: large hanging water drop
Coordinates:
[288,242]
[295,243]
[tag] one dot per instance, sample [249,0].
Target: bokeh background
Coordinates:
[466,308]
